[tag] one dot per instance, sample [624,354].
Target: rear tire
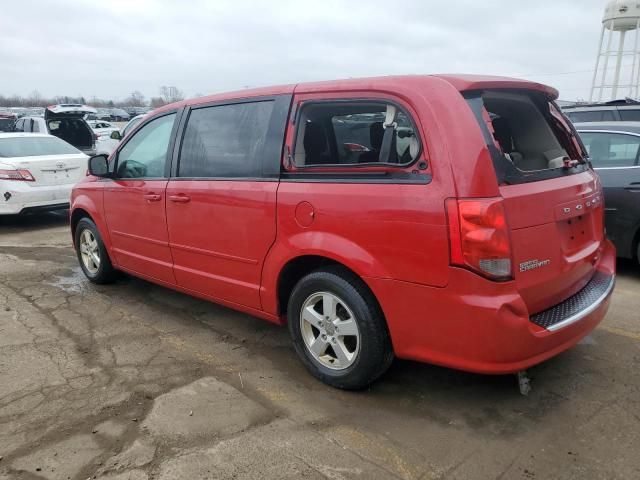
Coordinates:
[338,329]
[92,254]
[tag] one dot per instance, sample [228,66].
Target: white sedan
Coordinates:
[102,128]
[37,172]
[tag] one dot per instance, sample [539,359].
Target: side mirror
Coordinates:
[115,135]
[99,166]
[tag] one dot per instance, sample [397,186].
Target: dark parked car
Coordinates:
[614,149]
[7,122]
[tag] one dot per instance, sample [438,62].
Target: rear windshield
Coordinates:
[34,146]
[527,136]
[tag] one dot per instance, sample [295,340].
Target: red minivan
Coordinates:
[449,219]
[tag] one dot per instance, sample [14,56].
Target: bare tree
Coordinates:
[35,99]
[171,94]
[156,102]
[135,99]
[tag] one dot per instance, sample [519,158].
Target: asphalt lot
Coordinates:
[134,381]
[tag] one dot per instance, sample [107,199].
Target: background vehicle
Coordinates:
[102,128]
[37,172]
[466,232]
[614,151]
[64,121]
[614,111]
[7,122]
[108,143]
[131,124]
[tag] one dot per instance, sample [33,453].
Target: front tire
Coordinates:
[338,329]
[92,254]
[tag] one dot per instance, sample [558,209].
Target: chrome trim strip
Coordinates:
[580,315]
[616,168]
[599,130]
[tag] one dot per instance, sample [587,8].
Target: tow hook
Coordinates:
[524,382]
[7,196]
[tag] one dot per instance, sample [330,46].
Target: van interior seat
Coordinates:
[316,145]
[376,134]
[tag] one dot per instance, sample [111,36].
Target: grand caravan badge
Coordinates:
[533,264]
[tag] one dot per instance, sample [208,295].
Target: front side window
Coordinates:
[611,149]
[350,133]
[225,141]
[145,155]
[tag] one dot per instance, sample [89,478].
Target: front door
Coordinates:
[615,158]
[221,205]
[134,201]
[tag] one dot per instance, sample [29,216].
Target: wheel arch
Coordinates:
[76,215]
[296,268]
[305,252]
[84,206]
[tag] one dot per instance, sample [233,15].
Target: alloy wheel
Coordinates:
[329,330]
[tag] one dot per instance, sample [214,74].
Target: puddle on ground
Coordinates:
[75,282]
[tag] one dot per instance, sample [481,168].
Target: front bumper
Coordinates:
[480,326]
[19,197]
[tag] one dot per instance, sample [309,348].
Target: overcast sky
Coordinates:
[109,48]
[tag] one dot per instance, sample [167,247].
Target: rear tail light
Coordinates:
[479,236]
[20,175]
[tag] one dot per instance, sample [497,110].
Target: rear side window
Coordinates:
[225,141]
[591,116]
[344,133]
[29,146]
[611,149]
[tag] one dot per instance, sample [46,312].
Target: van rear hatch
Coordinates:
[66,121]
[552,198]
[68,110]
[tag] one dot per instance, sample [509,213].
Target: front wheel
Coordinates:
[338,329]
[92,254]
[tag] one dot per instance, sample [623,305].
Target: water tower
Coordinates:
[614,78]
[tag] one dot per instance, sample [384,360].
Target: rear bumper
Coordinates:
[480,326]
[20,197]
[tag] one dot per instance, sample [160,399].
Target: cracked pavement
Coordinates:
[135,381]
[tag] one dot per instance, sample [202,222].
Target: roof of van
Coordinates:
[460,82]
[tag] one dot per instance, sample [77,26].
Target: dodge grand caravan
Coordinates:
[447,219]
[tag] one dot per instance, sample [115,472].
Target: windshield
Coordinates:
[29,146]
